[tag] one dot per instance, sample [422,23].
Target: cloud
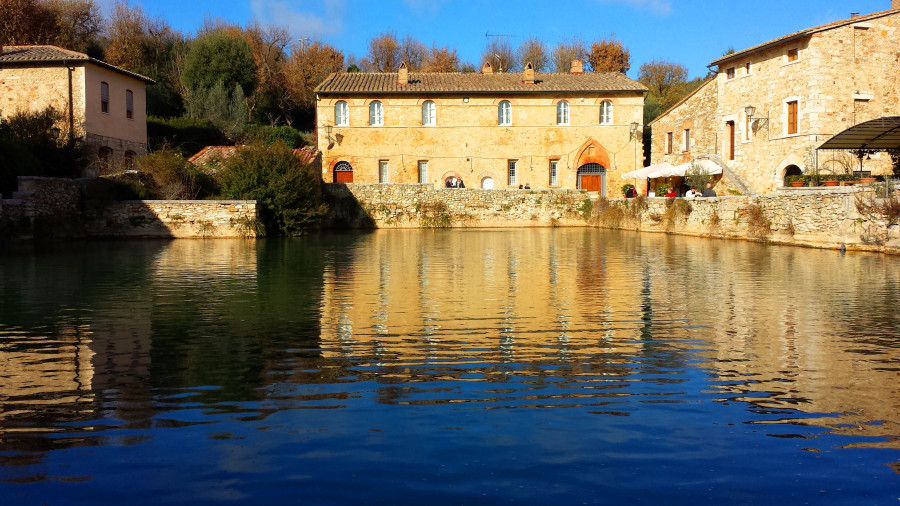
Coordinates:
[661,7]
[300,22]
[425,7]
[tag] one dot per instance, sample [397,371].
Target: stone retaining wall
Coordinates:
[819,218]
[423,206]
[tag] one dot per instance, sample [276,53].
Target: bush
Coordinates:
[290,137]
[173,177]
[185,134]
[287,189]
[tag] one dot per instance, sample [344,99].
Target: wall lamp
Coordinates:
[750,111]
[634,128]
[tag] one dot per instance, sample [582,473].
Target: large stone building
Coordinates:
[492,130]
[768,105]
[102,103]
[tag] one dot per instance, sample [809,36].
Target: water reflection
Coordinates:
[637,344]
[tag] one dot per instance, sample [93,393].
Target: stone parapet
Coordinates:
[174,218]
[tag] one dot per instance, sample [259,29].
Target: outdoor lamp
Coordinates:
[750,111]
[634,129]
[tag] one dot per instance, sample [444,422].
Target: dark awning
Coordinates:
[877,134]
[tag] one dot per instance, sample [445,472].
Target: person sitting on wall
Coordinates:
[708,191]
[527,186]
[520,187]
[630,193]
[691,193]
[449,182]
[460,184]
[672,193]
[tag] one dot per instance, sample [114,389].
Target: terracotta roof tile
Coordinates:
[213,154]
[15,55]
[803,33]
[454,82]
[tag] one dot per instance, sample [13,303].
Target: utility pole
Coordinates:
[303,41]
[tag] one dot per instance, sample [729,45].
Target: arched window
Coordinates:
[129,159]
[104,158]
[341,114]
[376,113]
[504,113]
[606,113]
[562,113]
[343,173]
[429,113]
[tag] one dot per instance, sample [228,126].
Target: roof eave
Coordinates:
[63,61]
[469,92]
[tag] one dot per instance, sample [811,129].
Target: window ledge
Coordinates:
[791,63]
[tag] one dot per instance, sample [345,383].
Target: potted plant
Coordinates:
[662,189]
[829,180]
[797,180]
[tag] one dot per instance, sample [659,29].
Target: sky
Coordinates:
[689,32]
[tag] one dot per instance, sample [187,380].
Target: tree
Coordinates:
[532,51]
[567,51]
[667,82]
[441,59]
[267,44]
[500,54]
[609,55]
[384,54]
[71,24]
[307,66]
[413,52]
[219,56]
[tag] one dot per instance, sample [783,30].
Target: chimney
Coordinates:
[577,67]
[403,75]
[486,68]
[528,74]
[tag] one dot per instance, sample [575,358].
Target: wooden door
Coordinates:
[343,176]
[730,140]
[591,182]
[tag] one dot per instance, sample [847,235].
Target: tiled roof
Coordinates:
[803,33]
[211,154]
[15,55]
[307,154]
[454,82]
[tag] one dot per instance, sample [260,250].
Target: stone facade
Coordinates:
[423,206]
[834,76]
[35,77]
[56,208]
[467,141]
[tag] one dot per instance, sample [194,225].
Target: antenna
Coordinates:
[497,56]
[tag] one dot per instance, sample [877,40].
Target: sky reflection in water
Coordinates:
[528,366]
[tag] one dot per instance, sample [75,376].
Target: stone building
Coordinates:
[102,103]
[769,105]
[492,130]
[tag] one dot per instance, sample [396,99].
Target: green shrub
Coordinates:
[286,189]
[173,177]
[270,135]
[185,134]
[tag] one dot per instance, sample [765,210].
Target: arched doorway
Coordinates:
[592,177]
[343,172]
[791,170]
[487,183]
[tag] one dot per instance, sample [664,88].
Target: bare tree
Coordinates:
[532,50]
[73,24]
[306,67]
[442,59]
[413,52]
[500,54]
[566,51]
[384,54]
[609,55]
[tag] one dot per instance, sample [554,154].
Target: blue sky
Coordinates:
[690,32]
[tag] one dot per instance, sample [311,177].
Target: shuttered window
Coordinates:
[376,113]
[792,117]
[511,167]
[104,98]
[423,172]
[129,104]
[553,166]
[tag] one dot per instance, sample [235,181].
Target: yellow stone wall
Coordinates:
[842,77]
[31,89]
[468,142]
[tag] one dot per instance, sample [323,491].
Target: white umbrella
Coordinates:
[642,173]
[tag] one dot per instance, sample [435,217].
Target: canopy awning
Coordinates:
[642,173]
[877,134]
[680,170]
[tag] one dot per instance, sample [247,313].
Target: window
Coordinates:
[687,139]
[793,54]
[104,157]
[730,127]
[129,104]
[382,171]
[341,114]
[747,68]
[669,142]
[606,113]
[562,113]
[792,117]
[511,166]
[553,166]
[129,159]
[748,126]
[504,113]
[376,114]
[104,98]
[429,113]
[730,73]
[423,172]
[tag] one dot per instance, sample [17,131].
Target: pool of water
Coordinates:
[545,366]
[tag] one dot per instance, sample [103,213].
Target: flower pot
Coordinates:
[867,180]
[798,184]
[829,183]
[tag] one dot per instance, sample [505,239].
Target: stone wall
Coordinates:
[423,206]
[817,218]
[56,208]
